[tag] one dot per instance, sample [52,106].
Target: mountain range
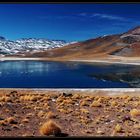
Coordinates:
[8,47]
[126,44]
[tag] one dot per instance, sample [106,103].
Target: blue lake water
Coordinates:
[42,74]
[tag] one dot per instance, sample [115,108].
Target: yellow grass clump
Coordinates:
[51,115]
[41,113]
[125,97]
[46,98]
[118,128]
[46,105]
[101,99]
[137,126]
[25,120]
[96,104]
[114,103]
[50,128]
[89,98]
[84,111]
[65,102]
[76,96]
[15,126]
[3,122]
[7,110]
[37,108]
[60,99]
[28,98]
[69,111]
[10,120]
[62,110]
[100,132]
[134,112]
[136,104]
[84,103]
[29,115]
[5,99]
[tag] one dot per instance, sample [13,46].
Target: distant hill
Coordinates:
[125,44]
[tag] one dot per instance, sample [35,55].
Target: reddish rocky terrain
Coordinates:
[72,113]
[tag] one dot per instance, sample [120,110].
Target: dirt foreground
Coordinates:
[69,112]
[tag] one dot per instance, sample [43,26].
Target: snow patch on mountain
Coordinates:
[29,45]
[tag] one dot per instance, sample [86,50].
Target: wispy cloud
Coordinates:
[105,16]
[110,17]
[84,16]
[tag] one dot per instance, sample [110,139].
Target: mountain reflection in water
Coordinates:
[125,74]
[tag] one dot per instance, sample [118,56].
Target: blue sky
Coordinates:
[70,22]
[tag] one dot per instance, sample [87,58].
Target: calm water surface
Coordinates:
[41,74]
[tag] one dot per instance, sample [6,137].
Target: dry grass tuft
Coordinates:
[51,115]
[114,103]
[3,122]
[84,111]
[28,98]
[11,120]
[46,105]
[15,126]
[25,120]
[41,113]
[29,115]
[134,112]
[76,96]
[5,99]
[137,126]
[62,110]
[84,103]
[118,128]
[50,128]
[96,104]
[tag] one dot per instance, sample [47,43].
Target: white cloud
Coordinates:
[110,17]
[105,16]
[85,15]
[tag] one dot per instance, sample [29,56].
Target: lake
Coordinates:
[42,74]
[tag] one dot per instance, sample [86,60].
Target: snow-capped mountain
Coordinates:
[28,44]
[126,44]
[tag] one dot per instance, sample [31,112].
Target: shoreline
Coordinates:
[91,91]
[17,58]
[106,62]
[120,60]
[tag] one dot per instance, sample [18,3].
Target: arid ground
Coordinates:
[69,112]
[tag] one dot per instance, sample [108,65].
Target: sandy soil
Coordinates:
[84,112]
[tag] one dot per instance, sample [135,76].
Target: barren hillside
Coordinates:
[126,44]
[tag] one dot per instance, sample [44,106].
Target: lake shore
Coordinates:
[92,91]
[95,112]
[102,60]
[112,60]
[107,62]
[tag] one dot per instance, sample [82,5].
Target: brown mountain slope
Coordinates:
[127,44]
[89,48]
